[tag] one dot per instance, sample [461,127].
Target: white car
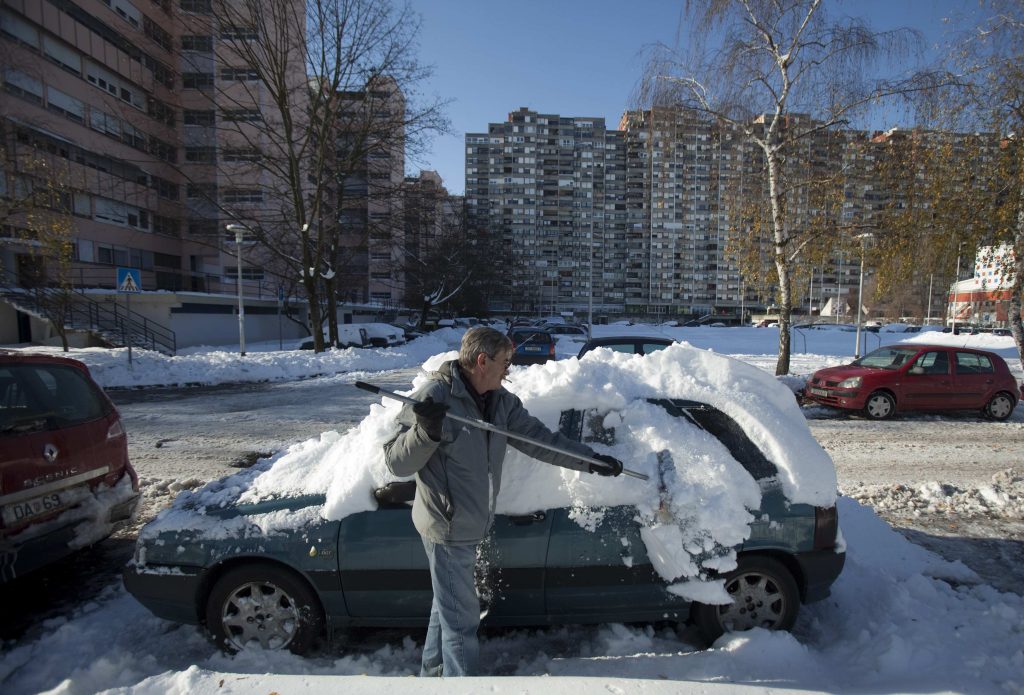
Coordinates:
[383,334]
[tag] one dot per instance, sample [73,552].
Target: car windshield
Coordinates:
[886,358]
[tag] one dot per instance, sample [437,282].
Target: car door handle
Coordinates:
[528,519]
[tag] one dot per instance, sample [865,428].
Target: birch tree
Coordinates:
[781,72]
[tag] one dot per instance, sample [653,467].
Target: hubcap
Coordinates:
[1000,407]
[879,406]
[757,601]
[260,613]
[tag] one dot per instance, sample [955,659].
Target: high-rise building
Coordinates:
[160,131]
[647,215]
[553,189]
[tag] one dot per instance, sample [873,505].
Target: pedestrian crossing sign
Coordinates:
[129,280]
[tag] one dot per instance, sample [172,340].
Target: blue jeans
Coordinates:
[452,647]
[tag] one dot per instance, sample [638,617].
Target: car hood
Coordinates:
[845,371]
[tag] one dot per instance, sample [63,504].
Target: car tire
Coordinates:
[764,595]
[1000,407]
[880,406]
[264,605]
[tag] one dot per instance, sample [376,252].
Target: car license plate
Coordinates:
[819,392]
[20,512]
[533,348]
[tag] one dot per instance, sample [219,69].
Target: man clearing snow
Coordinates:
[458,474]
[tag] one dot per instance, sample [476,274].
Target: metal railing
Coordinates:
[113,323]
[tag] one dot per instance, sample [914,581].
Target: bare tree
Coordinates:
[298,107]
[447,265]
[993,55]
[780,72]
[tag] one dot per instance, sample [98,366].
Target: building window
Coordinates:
[239,34]
[241,155]
[165,188]
[196,80]
[243,195]
[239,74]
[202,44]
[207,191]
[204,118]
[167,226]
[157,33]
[242,115]
[161,111]
[248,273]
[201,155]
[197,6]
[203,228]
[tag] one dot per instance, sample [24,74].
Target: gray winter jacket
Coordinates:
[457,478]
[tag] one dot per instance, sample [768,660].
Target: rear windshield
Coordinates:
[46,396]
[531,336]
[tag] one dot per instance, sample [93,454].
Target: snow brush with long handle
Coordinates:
[480,424]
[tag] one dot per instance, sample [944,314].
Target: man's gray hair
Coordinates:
[485,340]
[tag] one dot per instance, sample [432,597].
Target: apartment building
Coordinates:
[151,113]
[646,211]
[91,87]
[553,189]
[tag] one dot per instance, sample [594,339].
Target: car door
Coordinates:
[511,568]
[927,383]
[385,575]
[601,570]
[383,567]
[974,378]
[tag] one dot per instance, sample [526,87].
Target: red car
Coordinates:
[65,479]
[918,377]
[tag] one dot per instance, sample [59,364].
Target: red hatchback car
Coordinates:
[65,479]
[907,377]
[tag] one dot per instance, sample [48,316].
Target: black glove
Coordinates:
[430,417]
[613,465]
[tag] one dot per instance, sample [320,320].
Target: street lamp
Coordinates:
[239,231]
[860,290]
[956,286]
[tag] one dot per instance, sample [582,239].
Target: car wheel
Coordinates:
[764,594]
[880,405]
[1000,407]
[263,606]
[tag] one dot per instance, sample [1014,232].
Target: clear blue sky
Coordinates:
[575,57]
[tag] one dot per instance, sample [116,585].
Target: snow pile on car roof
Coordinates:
[708,493]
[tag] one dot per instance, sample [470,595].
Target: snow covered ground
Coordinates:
[900,618]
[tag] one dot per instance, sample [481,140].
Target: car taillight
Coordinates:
[116,430]
[551,350]
[826,524]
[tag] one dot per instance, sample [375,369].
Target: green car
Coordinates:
[288,588]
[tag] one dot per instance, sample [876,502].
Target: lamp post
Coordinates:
[956,281]
[860,289]
[239,230]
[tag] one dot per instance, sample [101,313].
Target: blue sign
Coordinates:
[129,280]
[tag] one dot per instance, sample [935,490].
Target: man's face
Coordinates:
[492,370]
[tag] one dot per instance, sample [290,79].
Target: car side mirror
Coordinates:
[917,370]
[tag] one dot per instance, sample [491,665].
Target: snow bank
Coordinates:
[900,619]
